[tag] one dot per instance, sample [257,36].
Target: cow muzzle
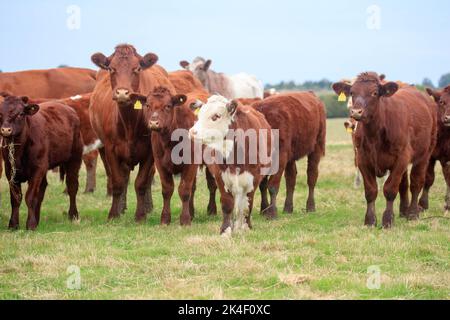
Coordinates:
[356,114]
[6,132]
[122,95]
[154,125]
[446,121]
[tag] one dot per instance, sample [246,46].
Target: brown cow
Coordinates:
[120,124]
[33,143]
[52,83]
[184,82]
[398,128]
[442,151]
[237,177]
[80,103]
[248,101]
[301,121]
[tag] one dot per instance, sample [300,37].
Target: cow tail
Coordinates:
[62,173]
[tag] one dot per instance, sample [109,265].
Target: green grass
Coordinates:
[324,255]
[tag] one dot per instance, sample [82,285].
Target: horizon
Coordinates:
[298,41]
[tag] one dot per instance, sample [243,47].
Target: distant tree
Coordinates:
[63,66]
[427,83]
[444,81]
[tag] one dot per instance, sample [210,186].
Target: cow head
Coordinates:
[443,101]
[161,104]
[124,66]
[199,67]
[214,120]
[13,114]
[365,94]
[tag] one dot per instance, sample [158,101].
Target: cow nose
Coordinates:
[122,94]
[356,113]
[154,124]
[6,132]
[447,118]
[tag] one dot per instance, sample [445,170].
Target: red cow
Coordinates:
[33,143]
[398,128]
[442,151]
[120,124]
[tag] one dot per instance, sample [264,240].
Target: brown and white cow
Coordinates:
[80,103]
[120,124]
[37,138]
[398,128]
[238,167]
[50,84]
[442,151]
[241,85]
[301,120]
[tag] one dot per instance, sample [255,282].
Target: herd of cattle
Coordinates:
[128,110]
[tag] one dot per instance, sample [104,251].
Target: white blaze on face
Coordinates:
[239,185]
[75,98]
[196,63]
[213,125]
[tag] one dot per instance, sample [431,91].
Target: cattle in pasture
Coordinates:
[300,118]
[398,128]
[237,176]
[241,85]
[48,84]
[37,138]
[441,153]
[165,113]
[247,102]
[185,82]
[121,126]
[80,103]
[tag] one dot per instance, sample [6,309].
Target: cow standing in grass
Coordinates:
[246,161]
[442,151]
[120,123]
[38,138]
[398,128]
[301,120]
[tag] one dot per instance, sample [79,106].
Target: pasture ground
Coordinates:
[325,255]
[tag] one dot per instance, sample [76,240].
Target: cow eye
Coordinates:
[442,103]
[137,70]
[215,117]
[375,94]
[112,70]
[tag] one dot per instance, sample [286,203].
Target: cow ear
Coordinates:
[25,99]
[232,107]
[134,97]
[184,64]
[178,100]
[434,94]
[207,65]
[100,60]
[382,77]
[388,89]
[342,87]
[31,109]
[5,94]
[148,60]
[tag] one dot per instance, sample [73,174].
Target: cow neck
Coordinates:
[373,126]
[130,120]
[20,143]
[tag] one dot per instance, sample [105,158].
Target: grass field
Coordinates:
[325,255]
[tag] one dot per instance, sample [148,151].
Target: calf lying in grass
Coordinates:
[38,138]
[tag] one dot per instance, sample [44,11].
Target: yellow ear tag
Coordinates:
[349,130]
[138,105]
[342,97]
[197,111]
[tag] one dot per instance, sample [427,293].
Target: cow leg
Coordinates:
[371,193]
[313,175]
[73,169]
[119,180]
[102,153]
[167,192]
[212,187]
[291,178]
[15,191]
[227,202]
[191,200]
[185,192]
[404,196]
[90,161]
[429,181]
[418,175]
[263,186]
[31,198]
[123,195]
[391,189]
[142,185]
[274,187]
[248,215]
[148,200]
[42,189]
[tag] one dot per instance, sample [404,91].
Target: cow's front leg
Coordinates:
[371,193]
[15,190]
[32,198]
[142,185]
[185,191]
[118,180]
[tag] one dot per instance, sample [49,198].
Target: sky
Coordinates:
[273,39]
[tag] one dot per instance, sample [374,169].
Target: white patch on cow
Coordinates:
[196,63]
[213,133]
[92,147]
[246,86]
[77,97]
[239,185]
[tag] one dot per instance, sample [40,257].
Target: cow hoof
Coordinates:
[140,219]
[370,222]
[226,233]
[310,206]
[185,222]
[288,208]
[13,226]
[413,217]
[212,210]
[89,191]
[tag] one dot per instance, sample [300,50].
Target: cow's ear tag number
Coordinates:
[138,105]
[342,97]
